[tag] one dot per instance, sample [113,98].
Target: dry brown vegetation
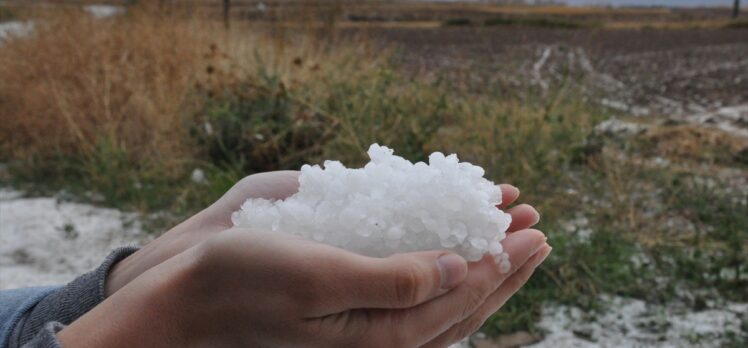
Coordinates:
[701,144]
[137,84]
[80,80]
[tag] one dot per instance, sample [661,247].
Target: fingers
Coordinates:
[400,281]
[513,283]
[270,185]
[524,216]
[493,303]
[509,194]
[438,315]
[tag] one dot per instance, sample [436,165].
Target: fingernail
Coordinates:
[545,254]
[537,248]
[453,270]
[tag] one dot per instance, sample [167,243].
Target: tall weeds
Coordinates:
[117,103]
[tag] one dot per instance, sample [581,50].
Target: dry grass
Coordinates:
[135,83]
[80,81]
[700,144]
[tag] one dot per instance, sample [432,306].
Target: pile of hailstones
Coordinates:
[390,206]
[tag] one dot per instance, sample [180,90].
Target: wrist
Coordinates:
[122,273]
[149,311]
[151,255]
[178,239]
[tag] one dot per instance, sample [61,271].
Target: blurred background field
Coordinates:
[626,127]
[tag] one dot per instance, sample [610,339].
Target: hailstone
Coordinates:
[389,206]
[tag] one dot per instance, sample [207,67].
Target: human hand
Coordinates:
[255,288]
[203,225]
[217,217]
[489,289]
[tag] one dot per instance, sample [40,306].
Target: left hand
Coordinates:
[203,225]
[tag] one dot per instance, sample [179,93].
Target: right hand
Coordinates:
[260,289]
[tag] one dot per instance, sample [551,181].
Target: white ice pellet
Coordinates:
[390,206]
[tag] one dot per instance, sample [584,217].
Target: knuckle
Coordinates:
[408,284]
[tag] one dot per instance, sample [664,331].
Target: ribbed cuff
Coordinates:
[46,337]
[70,302]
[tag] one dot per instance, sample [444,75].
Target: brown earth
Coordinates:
[664,72]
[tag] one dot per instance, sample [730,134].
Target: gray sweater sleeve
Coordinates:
[46,338]
[65,305]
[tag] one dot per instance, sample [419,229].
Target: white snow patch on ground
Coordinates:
[15,29]
[43,241]
[103,11]
[635,323]
[618,128]
[731,119]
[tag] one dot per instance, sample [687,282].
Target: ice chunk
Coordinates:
[390,206]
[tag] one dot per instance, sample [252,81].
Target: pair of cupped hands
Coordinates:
[206,283]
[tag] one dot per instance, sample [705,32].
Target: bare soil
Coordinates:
[662,72]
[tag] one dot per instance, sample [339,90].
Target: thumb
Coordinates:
[405,280]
